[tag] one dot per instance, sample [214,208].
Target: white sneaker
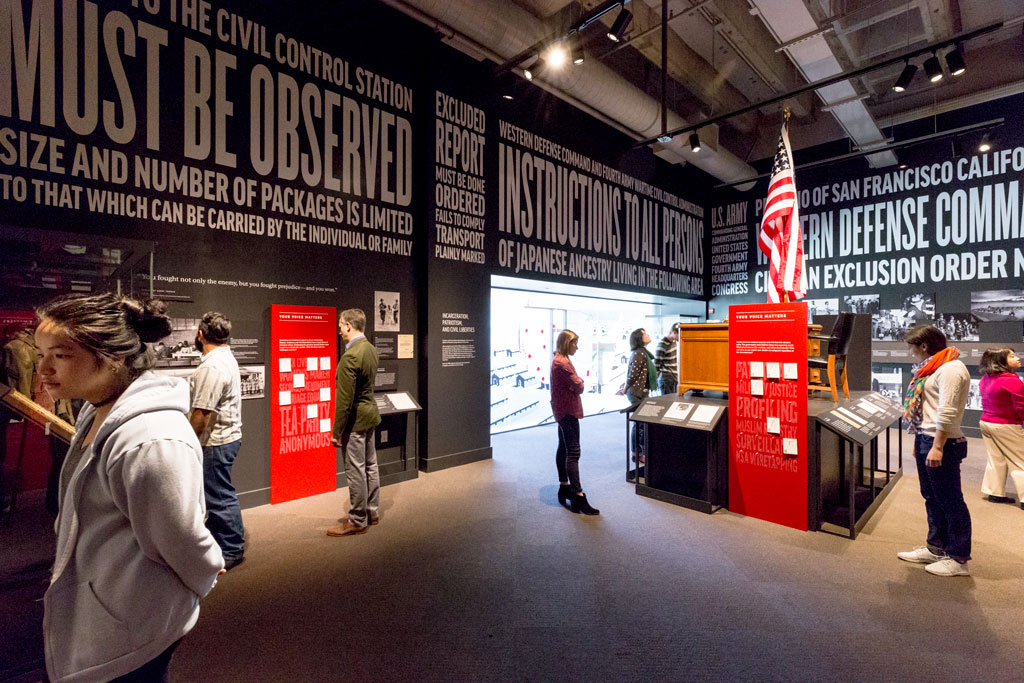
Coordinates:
[947,566]
[920,555]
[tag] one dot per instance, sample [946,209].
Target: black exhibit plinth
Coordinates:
[849,473]
[686,443]
[392,438]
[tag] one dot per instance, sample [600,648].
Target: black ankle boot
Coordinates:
[580,504]
[564,492]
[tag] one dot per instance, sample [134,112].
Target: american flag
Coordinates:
[781,239]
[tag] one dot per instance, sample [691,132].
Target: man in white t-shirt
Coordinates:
[217,420]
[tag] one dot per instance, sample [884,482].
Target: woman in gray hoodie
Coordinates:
[133,556]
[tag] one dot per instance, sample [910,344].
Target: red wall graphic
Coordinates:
[303,353]
[768,412]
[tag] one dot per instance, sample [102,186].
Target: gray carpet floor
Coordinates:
[477,574]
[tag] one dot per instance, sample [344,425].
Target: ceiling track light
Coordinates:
[528,74]
[620,25]
[985,145]
[694,142]
[933,69]
[955,61]
[906,76]
[557,56]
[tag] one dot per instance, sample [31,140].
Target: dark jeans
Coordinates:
[567,457]
[949,521]
[223,513]
[668,386]
[153,671]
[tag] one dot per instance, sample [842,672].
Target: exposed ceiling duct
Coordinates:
[789,21]
[505,29]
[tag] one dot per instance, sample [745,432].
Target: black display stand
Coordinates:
[397,409]
[634,470]
[847,479]
[686,443]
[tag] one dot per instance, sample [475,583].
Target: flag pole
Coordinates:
[786,113]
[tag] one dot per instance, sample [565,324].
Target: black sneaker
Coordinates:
[1000,499]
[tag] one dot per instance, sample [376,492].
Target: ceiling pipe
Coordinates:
[502,28]
[838,78]
[982,125]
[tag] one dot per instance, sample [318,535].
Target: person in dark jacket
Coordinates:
[641,379]
[355,420]
[566,387]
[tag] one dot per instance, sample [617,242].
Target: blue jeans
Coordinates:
[223,513]
[949,521]
[668,386]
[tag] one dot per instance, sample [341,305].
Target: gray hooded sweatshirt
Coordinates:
[133,556]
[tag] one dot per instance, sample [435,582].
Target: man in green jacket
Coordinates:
[355,417]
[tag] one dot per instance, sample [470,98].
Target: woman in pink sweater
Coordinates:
[1002,402]
[566,387]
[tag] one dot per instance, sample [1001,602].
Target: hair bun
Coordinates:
[149,319]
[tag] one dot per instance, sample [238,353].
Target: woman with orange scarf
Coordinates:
[933,410]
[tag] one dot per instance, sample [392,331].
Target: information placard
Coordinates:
[768,413]
[303,349]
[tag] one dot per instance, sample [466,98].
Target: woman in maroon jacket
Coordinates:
[566,387]
[1002,412]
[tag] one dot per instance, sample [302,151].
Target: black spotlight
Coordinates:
[694,142]
[619,25]
[933,69]
[955,62]
[906,76]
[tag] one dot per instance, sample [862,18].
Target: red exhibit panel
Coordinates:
[303,352]
[768,412]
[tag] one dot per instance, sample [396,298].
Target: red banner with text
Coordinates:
[303,352]
[768,412]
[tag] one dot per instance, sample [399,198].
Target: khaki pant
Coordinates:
[1005,446]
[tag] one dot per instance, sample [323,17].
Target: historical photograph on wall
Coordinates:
[974,395]
[821,307]
[958,326]
[385,313]
[891,324]
[179,348]
[998,305]
[861,303]
[888,383]
[254,381]
[920,306]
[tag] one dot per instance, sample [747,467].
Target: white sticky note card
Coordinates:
[311,364]
[756,369]
[789,447]
[789,370]
[311,410]
[325,424]
[325,393]
[773,370]
[757,387]
[298,380]
[285,398]
[284,364]
[325,362]
[773,425]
